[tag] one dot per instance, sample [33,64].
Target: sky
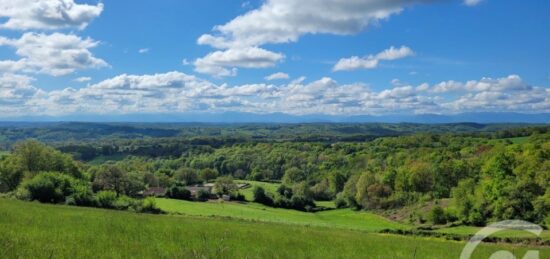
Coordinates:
[332,57]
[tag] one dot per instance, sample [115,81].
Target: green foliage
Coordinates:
[224,185]
[50,187]
[35,157]
[149,205]
[106,199]
[294,175]
[117,179]
[437,215]
[82,195]
[203,195]
[208,174]
[187,175]
[11,174]
[178,191]
[260,196]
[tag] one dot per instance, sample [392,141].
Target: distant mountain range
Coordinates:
[240,117]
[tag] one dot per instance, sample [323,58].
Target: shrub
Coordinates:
[178,191]
[50,187]
[260,196]
[237,196]
[224,185]
[106,199]
[437,216]
[82,195]
[340,202]
[202,195]
[149,205]
[124,203]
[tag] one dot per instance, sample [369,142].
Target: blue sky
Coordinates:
[60,57]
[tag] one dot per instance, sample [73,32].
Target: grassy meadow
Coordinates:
[33,230]
[269,187]
[338,218]
[344,218]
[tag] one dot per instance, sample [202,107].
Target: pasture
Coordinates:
[33,230]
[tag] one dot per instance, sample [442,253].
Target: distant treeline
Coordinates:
[66,134]
[87,141]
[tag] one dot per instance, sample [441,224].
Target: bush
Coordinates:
[340,202]
[437,216]
[178,191]
[237,196]
[82,195]
[50,187]
[106,199]
[149,205]
[260,196]
[202,195]
[125,203]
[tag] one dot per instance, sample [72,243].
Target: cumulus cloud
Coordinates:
[225,63]
[283,21]
[176,92]
[372,61]
[47,14]
[277,76]
[143,51]
[55,54]
[509,83]
[15,91]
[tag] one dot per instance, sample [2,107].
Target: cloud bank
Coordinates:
[176,92]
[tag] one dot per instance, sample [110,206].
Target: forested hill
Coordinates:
[62,133]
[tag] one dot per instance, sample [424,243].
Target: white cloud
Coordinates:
[55,54]
[277,76]
[225,63]
[509,83]
[82,79]
[176,92]
[281,21]
[15,91]
[472,2]
[47,14]
[372,61]
[143,51]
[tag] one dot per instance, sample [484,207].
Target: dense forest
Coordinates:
[490,172]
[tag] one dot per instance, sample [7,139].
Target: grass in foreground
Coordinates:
[32,230]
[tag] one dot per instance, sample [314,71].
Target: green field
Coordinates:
[272,188]
[33,230]
[338,218]
[344,218]
[468,230]
[269,187]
